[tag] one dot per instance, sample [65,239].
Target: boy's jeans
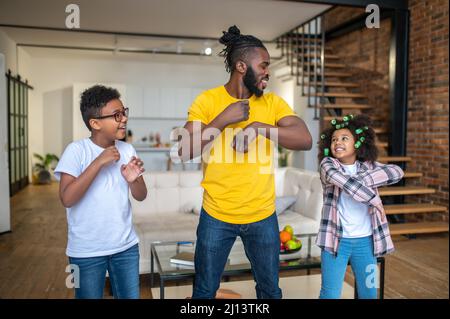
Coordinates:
[123,269]
[364,266]
[214,241]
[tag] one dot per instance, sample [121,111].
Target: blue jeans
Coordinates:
[214,241]
[364,266]
[123,269]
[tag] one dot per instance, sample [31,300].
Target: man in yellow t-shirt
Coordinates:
[234,128]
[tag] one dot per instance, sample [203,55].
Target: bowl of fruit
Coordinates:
[288,242]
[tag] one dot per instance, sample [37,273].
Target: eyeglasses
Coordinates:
[118,116]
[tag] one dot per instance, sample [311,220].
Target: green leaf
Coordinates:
[45,162]
[49,159]
[39,157]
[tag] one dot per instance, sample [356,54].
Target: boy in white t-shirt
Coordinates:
[95,176]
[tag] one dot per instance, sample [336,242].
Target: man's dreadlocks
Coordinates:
[237,46]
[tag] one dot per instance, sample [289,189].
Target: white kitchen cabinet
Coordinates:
[152,105]
[167,102]
[135,101]
[161,103]
[194,93]
[183,100]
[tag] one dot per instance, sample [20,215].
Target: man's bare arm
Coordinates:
[290,132]
[196,139]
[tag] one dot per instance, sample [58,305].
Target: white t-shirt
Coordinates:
[354,215]
[100,223]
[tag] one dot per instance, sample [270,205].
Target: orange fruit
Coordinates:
[285,236]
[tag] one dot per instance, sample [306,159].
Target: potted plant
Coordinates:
[41,170]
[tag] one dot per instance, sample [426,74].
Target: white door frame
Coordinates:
[5,214]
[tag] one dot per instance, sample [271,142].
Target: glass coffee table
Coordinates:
[161,253]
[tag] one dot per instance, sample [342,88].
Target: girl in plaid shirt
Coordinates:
[353,226]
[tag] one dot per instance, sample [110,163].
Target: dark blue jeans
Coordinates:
[214,241]
[123,270]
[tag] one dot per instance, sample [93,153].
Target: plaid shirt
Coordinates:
[363,188]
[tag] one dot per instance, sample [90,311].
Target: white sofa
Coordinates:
[166,214]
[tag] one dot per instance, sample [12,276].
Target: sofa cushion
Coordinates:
[306,185]
[150,180]
[191,179]
[280,173]
[167,179]
[167,199]
[301,224]
[191,200]
[284,202]
[143,210]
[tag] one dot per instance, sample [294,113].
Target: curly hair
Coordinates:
[94,99]
[368,150]
[237,46]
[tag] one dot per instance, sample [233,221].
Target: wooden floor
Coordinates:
[33,261]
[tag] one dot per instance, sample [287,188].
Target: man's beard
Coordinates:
[251,82]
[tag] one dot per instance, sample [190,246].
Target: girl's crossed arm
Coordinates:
[382,174]
[360,187]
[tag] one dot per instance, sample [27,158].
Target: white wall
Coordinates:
[306,160]
[55,72]
[291,93]
[58,125]
[8,48]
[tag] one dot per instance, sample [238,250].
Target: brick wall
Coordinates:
[339,15]
[366,52]
[428,140]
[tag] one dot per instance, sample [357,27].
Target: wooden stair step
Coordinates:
[405,190]
[413,208]
[394,159]
[380,130]
[327,65]
[412,175]
[382,144]
[311,50]
[306,41]
[332,74]
[335,65]
[285,76]
[341,94]
[342,84]
[334,84]
[329,118]
[418,228]
[346,106]
[327,56]
[299,40]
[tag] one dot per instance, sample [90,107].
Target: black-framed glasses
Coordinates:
[118,116]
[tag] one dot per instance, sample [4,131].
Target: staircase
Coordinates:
[323,79]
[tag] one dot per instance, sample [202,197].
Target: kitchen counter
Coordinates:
[156,159]
[151,149]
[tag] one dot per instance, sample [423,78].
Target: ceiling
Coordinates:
[206,19]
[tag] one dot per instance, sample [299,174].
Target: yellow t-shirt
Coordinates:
[239,187]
